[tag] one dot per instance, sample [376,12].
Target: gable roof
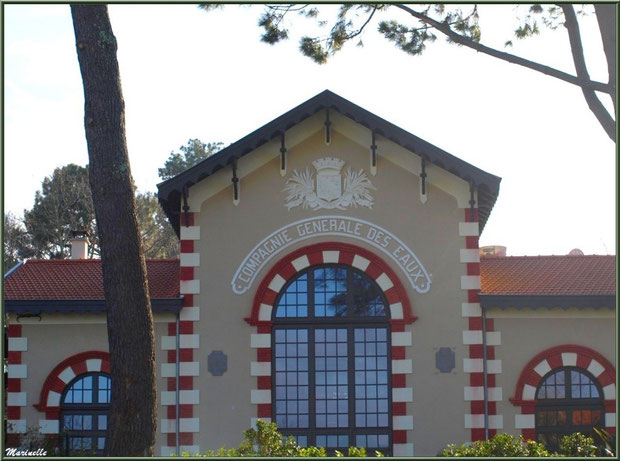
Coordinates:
[77,285]
[171,191]
[548,281]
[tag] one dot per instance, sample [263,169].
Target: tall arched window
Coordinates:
[84,413]
[331,360]
[568,400]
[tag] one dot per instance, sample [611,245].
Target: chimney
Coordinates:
[79,244]
[493,250]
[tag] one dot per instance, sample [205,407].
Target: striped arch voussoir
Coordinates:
[65,371]
[336,253]
[562,356]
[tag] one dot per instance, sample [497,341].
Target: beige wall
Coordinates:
[59,336]
[50,344]
[228,233]
[525,334]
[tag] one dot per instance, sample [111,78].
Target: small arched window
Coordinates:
[84,414]
[568,400]
[331,360]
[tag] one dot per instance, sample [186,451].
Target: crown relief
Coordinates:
[327,164]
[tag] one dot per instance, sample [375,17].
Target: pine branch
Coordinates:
[447,31]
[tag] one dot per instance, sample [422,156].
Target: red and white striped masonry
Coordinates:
[568,355]
[189,396]
[400,315]
[16,398]
[472,337]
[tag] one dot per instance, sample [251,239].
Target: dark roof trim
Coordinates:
[80,306]
[171,191]
[547,301]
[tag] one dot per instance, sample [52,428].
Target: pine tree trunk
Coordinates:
[133,412]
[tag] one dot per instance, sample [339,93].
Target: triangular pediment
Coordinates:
[171,191]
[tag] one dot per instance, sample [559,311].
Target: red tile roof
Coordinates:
[516,275]
[82,279]
[548,275]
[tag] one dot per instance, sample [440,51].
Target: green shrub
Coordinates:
[266,441]
[577,444]
[500,445]
[574,445]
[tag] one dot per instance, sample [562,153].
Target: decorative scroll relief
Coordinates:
[328,191]
[321,226]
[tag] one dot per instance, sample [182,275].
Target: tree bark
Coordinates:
[606,17]
[133,412]
[594,103]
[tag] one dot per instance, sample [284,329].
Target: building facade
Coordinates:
[330,280]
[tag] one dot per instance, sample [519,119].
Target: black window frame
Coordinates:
[350,323]
[94,409]
[568,404]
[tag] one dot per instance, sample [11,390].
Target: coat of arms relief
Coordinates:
[328,190]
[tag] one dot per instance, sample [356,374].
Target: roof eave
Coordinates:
[80,306]
[536,301]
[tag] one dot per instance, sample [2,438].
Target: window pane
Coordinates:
[87,422]
[553,386]
[332,441]
[105,388]
[562,417]
[291,404]
[572,391]
[586,417]
[373,402]
[325,355]
[294,302]
[80,443]
[367,298]
[331,400]
[79,416]
[582,387]
[330,292]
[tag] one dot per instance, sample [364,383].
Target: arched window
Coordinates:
[568,400]
[84,413]
[331,360]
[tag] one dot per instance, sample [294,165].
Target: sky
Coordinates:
[189,74]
